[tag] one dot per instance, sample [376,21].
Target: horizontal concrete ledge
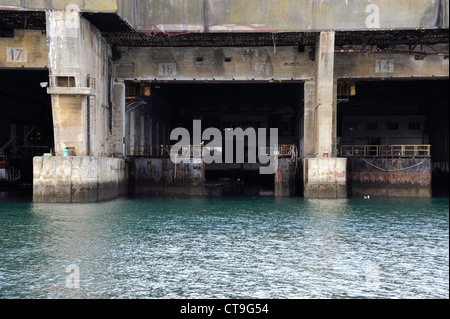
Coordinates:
[71,91]
[78,179]
[325,177]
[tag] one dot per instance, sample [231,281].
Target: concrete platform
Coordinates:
[78,179]
[325,177]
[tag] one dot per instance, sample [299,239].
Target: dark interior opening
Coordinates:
[400,112]
[223,106]
[26,124]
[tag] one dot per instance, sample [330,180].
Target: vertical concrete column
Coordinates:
[334,125]
[309,119]
[80,85]
[285,178]
[132,135]
[324,175]
[142,134]
[118,134]
[324,93]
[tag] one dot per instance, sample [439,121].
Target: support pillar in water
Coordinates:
[88,117]
[324,176]
[285,178]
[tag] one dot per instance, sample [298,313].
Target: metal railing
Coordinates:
[72,81]
[385,150]
[163,151]
[286,150]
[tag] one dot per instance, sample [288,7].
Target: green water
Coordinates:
[226,247]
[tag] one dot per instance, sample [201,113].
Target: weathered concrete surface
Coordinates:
[268,64]
[78,50]
[393,177]
[285,178]
[325,97]
[257,16]
[28,49]
[118,120]
[78,179]
[43,5]
[401,65]
[325,177]
[151,176]
[283,16]
[69,123]
[246,64]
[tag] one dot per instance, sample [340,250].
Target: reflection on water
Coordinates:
[230,247]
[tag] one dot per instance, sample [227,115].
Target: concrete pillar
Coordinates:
[309,119]
[324,175]
[132,135]
[324,93]
[119,125]
[142,134]
[334,121]
[78,63]
[285,178]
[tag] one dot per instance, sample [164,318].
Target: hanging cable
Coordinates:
[396,170]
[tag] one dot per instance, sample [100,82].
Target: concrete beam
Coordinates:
[269,63]
[282,16]
[213,64]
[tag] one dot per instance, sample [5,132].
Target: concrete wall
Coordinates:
[69,123]
[325,177]
[394,177]
[162,176]
[78,179]
[28,49]
[259,15]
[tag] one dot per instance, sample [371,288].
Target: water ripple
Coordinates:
[227,248]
